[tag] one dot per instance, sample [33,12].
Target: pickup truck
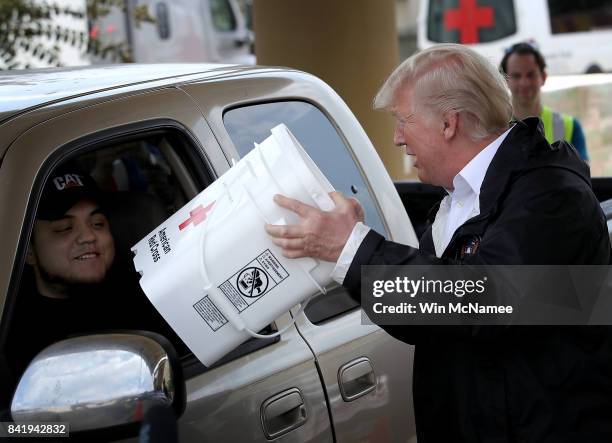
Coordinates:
[153,137]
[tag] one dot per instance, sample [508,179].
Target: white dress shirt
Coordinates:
[461,204]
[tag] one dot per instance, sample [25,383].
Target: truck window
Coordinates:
[140,180]
[318,137]
[326,147]
[458,21]
[579,16]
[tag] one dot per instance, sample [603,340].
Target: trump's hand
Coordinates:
[319,234]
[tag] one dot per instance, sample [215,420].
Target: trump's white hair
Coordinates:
[449,77]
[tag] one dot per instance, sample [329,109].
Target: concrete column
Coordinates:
[350,44]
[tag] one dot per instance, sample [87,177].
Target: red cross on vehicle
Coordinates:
[197,216]
[469,18]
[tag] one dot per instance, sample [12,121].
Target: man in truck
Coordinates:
[72,284]
[512,200]
[70,256]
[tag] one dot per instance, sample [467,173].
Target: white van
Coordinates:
[574,37]
[183,31]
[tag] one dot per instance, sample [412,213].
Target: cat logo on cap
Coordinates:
[67,181]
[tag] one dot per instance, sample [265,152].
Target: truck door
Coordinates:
[155,146]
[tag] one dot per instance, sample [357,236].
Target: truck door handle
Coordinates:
[283,413]
[356,378]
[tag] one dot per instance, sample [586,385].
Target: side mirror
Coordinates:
[100,382]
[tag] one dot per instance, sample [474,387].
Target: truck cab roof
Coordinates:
[25,90]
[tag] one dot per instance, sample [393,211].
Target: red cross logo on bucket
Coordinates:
[468,18]
[196,215]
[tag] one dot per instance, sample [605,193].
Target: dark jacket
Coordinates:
[516,384]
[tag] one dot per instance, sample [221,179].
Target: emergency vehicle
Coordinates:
[574,37]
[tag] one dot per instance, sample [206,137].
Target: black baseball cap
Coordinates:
[65,188]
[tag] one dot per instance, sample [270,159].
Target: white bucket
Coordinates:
[211,269]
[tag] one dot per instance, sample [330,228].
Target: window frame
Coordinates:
[236,155]
[191,153]
[85,144]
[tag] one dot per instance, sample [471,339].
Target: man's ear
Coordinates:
[450,120]
[544,76]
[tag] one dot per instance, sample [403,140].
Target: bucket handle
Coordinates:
[322,290]
[220,302]
[264,161]
[302,305]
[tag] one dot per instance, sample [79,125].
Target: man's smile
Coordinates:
[87,256]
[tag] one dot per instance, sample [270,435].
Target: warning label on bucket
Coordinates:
[209,313]
[254,280]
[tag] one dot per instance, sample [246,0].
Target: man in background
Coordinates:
[525,69]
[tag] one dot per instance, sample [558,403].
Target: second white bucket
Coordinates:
[211,269]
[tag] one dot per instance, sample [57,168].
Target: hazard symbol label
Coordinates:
[254,280]
[209,313]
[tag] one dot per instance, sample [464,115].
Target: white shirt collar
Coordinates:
[470,178]
[463,202]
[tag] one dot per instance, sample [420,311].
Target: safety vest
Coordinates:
[557,126]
